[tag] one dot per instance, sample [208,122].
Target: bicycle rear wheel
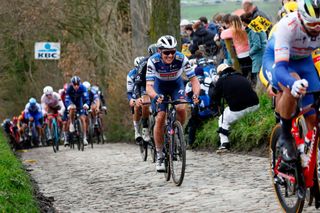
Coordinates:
[178,154]
[287,192]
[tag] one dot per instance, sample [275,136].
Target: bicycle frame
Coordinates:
[309,169]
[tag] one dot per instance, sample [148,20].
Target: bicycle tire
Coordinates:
[283,186]
[54,135]
[90,132]
[177,154]
[152,145]
[167,172]
[143,147]
[100,130]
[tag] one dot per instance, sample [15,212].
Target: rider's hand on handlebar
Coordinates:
[132,102]
[299,88]
[85,106]
[195,99]
[159,98]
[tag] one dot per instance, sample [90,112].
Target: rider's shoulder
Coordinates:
[155,58]
[179,56]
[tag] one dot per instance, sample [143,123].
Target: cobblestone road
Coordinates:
[112,178]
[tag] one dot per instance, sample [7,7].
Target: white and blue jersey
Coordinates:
[289,50]
[167,78]
[160,72]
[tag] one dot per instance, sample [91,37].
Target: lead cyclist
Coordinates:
[288,66]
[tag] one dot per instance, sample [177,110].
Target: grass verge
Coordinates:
[250,132]
[16,193]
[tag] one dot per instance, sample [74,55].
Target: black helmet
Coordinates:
[75,80]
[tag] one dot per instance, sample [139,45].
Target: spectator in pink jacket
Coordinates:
[239,37]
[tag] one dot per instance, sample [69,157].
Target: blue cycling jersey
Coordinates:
[77,97]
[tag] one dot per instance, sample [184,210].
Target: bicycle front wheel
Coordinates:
[143,145]
[287,192]
[177,154]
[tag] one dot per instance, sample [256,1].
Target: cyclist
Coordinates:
[33,113]
[164,78]
[51,104]
[22,124]
[289,68]
[94,98]
[62,93]
[136,93]
[77,100]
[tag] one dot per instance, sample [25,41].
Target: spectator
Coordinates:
[240,97]
[240,41]
[202,38]
[204,21]
[202,112]
[183,33]
[248,7]
[257,42]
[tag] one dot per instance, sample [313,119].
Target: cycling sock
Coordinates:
[136,125]
[144,122]
[286,127]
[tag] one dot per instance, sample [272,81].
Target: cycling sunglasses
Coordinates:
[313,25]
[168,52]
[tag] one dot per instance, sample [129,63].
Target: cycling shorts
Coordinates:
[173,89]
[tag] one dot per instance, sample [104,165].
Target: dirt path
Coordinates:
[112,178]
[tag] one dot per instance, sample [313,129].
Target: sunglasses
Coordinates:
[168,52]
[313,25]
[75,85]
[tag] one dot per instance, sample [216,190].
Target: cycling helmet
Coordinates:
[310,13]
[94,89]
[152,49]
[32,102]
[87,85]
[138,60]
[202,62]
[75,80]
[167,42]
[48,90]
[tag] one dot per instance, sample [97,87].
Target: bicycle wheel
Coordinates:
[152,145]
[167,172]
[100,130]
[90,132]
[177,154]
[55,134]
[287,192]
[143,145]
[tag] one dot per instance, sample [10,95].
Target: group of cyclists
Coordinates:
[75,97]
[287,66]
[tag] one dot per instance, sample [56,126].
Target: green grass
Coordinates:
[16,193]
[252,131]
[195,11]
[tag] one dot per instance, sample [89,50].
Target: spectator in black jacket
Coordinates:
[236,90]
[202,36]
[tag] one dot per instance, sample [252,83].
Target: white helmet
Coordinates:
[48,90]
[310,13]
[138,60]
[86,84]
[167,42]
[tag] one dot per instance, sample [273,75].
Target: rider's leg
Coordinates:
[287,105]
[136,120]
[158,139]
[72,112]
[181,113]
[145,118]
[84,128]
